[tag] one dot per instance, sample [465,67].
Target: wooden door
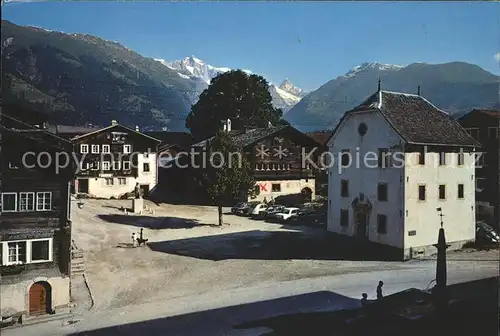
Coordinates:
[362,225]
[38,299]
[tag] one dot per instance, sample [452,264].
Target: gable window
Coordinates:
[127,149]
[344,217]
[84,149]
[345,157]
[17,252]
[116,165]
[493,132]
[460,191]
[105,165]
[421,158]
[383,157]
[122,181]
[27,201]
[109,181]
[126,165]
[145,167]
[442,192]
[382,192]
[382,224]
[105,149]
[421,193]
[460,159]
[9,202]
[442,159]
[95,149]
[276,187]
[474,132]
[41,250]
[344,188]
[43,201]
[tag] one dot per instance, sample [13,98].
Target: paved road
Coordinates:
[217,313]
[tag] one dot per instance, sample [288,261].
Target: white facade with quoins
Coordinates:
[394,201]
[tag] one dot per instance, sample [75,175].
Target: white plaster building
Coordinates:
[392,199]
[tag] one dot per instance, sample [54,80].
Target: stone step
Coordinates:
[78,254]
[77,261]
[77,267]
[61,314]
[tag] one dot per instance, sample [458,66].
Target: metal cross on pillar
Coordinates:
[441,272]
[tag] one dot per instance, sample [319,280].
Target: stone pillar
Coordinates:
[137,205]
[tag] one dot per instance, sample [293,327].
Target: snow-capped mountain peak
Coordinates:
[285,96]
[372,65]
[287,86]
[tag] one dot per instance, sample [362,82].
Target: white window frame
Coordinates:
[116,165]
[30,249]
[109,179]
[106,165]
[6,255]
[106,149]
[43,204]
[95,149]
[120,179]
[96,166]
[127,149]
[21,194]
[126,163]
[29,258]
[16,203]
[149,167]
[84,149]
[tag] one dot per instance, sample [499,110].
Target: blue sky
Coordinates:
[308,42]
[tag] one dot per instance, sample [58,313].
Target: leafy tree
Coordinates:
[229,174]
[235,95]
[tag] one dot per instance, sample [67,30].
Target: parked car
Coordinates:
[273,210]
[248,210]
[287,213]
[240,208]
[258,211]
[486,234]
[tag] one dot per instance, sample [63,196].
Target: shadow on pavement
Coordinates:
[272,245]
[222,321]
[153,222]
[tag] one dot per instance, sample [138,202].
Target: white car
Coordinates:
[258,210]
[287,213]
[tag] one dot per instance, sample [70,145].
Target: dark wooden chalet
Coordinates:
[275,154]
[35,221]
[484,126]
[116,153]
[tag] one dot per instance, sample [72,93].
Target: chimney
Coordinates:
[114,122]
[226,125]
[136,128]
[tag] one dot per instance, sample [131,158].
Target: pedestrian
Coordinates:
[364,299]
[134,241]
[379,290]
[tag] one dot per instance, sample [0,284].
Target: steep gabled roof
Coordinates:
[488,112]
[415,119]
[250,137]
[111,127]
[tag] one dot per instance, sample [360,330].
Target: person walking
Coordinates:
[134,240]
[364,300]
[379,290]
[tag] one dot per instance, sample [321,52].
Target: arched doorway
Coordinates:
[306,194]
[40,297]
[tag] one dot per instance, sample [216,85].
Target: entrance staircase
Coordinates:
[77,260]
